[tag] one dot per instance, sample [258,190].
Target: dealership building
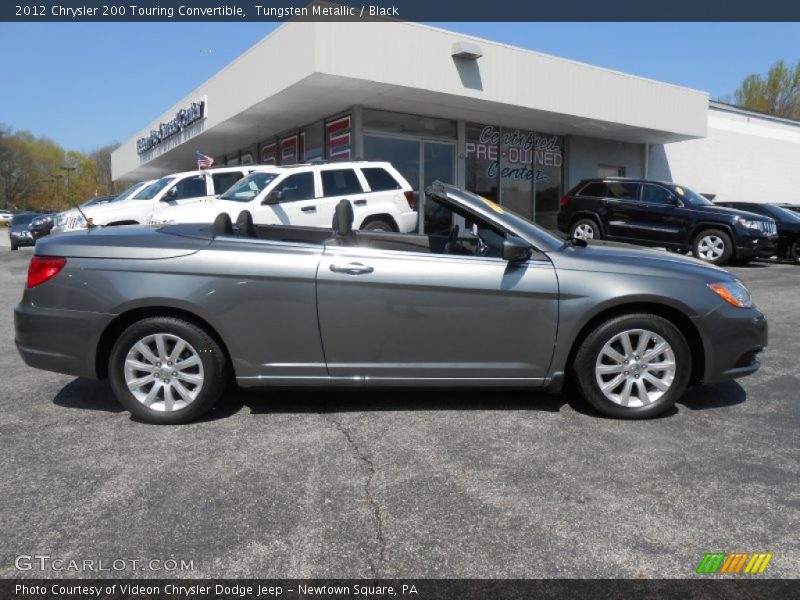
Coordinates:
[516,126]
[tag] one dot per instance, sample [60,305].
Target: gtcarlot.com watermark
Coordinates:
[45,562]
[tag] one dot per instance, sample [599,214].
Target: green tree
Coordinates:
[777,93]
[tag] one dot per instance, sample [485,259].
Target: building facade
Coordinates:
[516,126]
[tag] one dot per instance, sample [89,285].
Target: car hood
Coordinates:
[126,241]
[611,257]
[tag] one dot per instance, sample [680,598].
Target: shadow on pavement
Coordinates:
[87,394]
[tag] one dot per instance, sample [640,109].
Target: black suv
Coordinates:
[788,223]
[655,213]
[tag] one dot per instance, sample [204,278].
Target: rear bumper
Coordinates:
[751,247]
[733,340]
[407,221]
[63,341]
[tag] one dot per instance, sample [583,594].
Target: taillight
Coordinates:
[43,268]
[411,199]
[564,201]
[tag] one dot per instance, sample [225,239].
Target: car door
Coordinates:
[298,204]
[341,184]
[395,315]
[185,192]
[621,202]
[662,218]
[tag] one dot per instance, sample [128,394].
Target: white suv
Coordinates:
[146,202]
[307,195]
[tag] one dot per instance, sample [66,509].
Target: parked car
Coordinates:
[792,207]
[5,217]
[655,213]
[178,189]
[788,223]
[73,219]
[41,225]
[19,230]
[167,313]
[307,195]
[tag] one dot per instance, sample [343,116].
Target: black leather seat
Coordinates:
[222,225]
[244,225]
[343,223]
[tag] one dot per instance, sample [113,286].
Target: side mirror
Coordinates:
[516,249]
[677,202]
[172,194]
[274,197]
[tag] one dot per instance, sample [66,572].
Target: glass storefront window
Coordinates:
[401,123]
[314,143]
[520,169]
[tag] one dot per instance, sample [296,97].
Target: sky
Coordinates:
[86,85]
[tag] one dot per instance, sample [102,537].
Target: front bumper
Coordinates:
[733,339]
[63,341]
[756,245]
[22,240]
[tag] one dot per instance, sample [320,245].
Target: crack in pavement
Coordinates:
[373,504]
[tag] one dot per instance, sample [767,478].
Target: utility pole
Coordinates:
[56,180]
[68,169]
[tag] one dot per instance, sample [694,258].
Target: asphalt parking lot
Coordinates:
[405,484]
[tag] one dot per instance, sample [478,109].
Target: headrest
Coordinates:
[343,219]
[222,225]
[244,224]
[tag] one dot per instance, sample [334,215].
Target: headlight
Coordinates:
[748,223]
[733,292]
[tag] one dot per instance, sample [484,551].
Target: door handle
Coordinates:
[352,269]
[309,209]
[361,202]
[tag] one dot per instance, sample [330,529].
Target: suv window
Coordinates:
[340,182]
[593,190]
[622,191]
[380,180]
[224,181]
[191,187]
[656,194]
[299,186]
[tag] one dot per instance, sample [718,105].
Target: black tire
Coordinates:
[582,227]
[589,351]
[794,253]
[713,234]
[378,225]
[212,358]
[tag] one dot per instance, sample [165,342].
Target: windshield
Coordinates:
[783,214]
[152,190]
[128,192]
[690,197]
[23,219]
[249,187]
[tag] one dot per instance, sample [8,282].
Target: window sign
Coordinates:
[288,153]
[269,154]
[338,139]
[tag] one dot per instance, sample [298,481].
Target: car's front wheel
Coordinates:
[586,229]
[634,366]
[795,252]
[714,246]
[166,370]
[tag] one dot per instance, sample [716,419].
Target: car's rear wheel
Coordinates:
[166,370]
[633,367]
[378,225]
[714,246]
[586,229]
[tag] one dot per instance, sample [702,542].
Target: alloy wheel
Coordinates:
[584,231]
[163,372]
[635,368]
[711,247]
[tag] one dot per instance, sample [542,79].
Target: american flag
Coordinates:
[203,161]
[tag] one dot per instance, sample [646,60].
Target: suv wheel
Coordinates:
[586,229]
[795,252]
[714,246]
[378,225]
[167,371]
[633,367]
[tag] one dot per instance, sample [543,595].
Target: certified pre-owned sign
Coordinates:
[182,119]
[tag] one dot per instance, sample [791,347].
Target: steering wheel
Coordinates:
[452,245]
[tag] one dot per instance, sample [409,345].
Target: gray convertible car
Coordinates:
[171,313]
